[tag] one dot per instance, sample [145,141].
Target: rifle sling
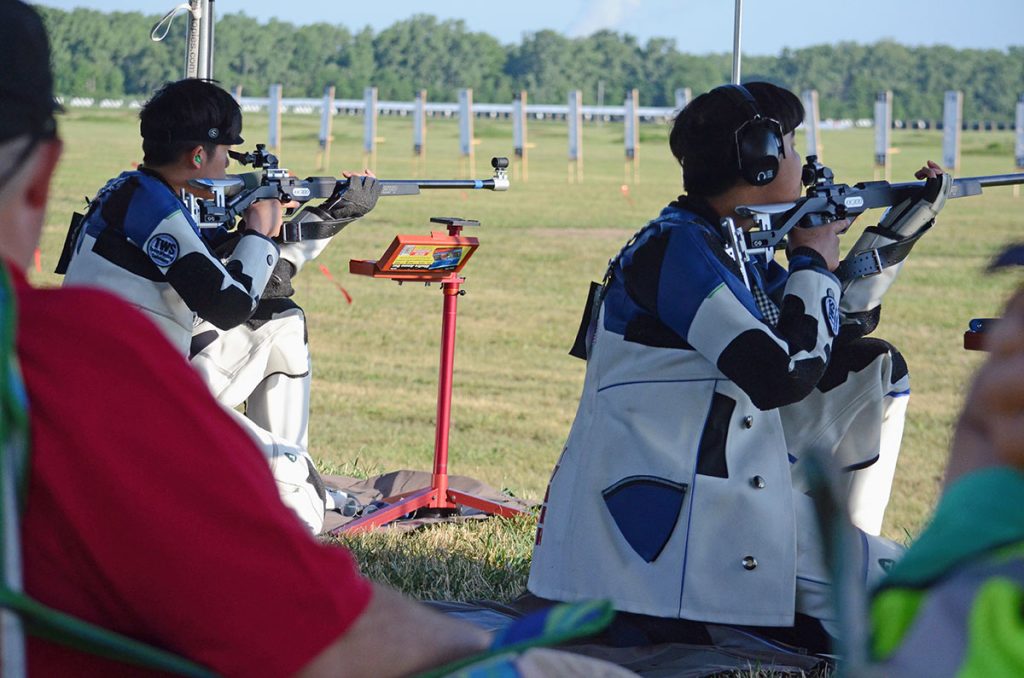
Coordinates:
[874,261]
[296,231]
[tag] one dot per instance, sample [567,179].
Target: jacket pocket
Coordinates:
[646,510]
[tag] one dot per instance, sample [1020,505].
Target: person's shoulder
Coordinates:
[679,221]
[84,315]
[155,191]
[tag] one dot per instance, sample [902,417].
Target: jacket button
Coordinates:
[748,421]
[749,563]
[757,482]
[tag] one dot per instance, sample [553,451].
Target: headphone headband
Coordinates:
[744,98]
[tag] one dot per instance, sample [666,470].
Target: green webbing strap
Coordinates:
[38,619]
[13,452]
[45,622]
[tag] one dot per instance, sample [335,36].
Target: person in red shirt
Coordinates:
[136,512]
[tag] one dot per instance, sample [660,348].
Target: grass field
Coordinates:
[375,361]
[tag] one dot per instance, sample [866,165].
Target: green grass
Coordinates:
[375,361]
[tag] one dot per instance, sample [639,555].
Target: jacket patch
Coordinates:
[646,510]
[830,309]
[711,453]
[162,249]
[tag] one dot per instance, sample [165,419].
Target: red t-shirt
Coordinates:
[151,513]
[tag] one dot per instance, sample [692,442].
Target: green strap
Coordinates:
[38,619]
[58,627]
[13,453]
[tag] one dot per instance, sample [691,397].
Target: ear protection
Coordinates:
[199,159]
[759,140]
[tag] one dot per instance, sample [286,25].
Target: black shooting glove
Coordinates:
[354,201]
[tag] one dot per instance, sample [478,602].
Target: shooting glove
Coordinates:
[354,201]
[897,232]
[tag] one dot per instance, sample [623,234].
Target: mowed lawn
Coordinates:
[376,359]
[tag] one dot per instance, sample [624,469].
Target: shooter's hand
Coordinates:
[929,171]
[822,239]
[265,216]
[990,431]
[357,199]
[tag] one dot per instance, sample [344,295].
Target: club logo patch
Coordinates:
[162,249]
[830,309]
[213,133]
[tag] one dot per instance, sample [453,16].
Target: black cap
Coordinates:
[27,105]
[226,133]
[193,111]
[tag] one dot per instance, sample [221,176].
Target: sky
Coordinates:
[697,26]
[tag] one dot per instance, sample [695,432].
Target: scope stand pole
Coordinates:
[737,52]
[439,496]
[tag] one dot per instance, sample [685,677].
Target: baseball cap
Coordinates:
[27,105]
[192,110]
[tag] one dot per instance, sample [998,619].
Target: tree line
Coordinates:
[110,55]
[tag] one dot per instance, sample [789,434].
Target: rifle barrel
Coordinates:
[999,179]
[413,186]
[983,181]
[443,183]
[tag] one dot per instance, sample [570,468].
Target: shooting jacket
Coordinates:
[673,494]
[138,241]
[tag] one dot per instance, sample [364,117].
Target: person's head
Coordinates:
[190,123]
[738,136]
[29,146]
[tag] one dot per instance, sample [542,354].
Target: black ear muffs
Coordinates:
[759,140]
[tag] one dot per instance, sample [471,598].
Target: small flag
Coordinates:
[327,274]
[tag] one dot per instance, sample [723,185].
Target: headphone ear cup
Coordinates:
[759,146]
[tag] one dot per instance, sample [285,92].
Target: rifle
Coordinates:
[231,196]
[827,201]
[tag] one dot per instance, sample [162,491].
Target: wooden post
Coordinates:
[1019,146]
[812,122]
[519,134]
[326,127]
[883,133]
[466,130]
[683,96]
[419,130]
[274,111]
[631,122]
[952,121]
[575,120]
[370,127]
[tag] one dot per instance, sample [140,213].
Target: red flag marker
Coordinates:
[39,261]
[327,274]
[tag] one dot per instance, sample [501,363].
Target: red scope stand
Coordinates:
[394,265]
